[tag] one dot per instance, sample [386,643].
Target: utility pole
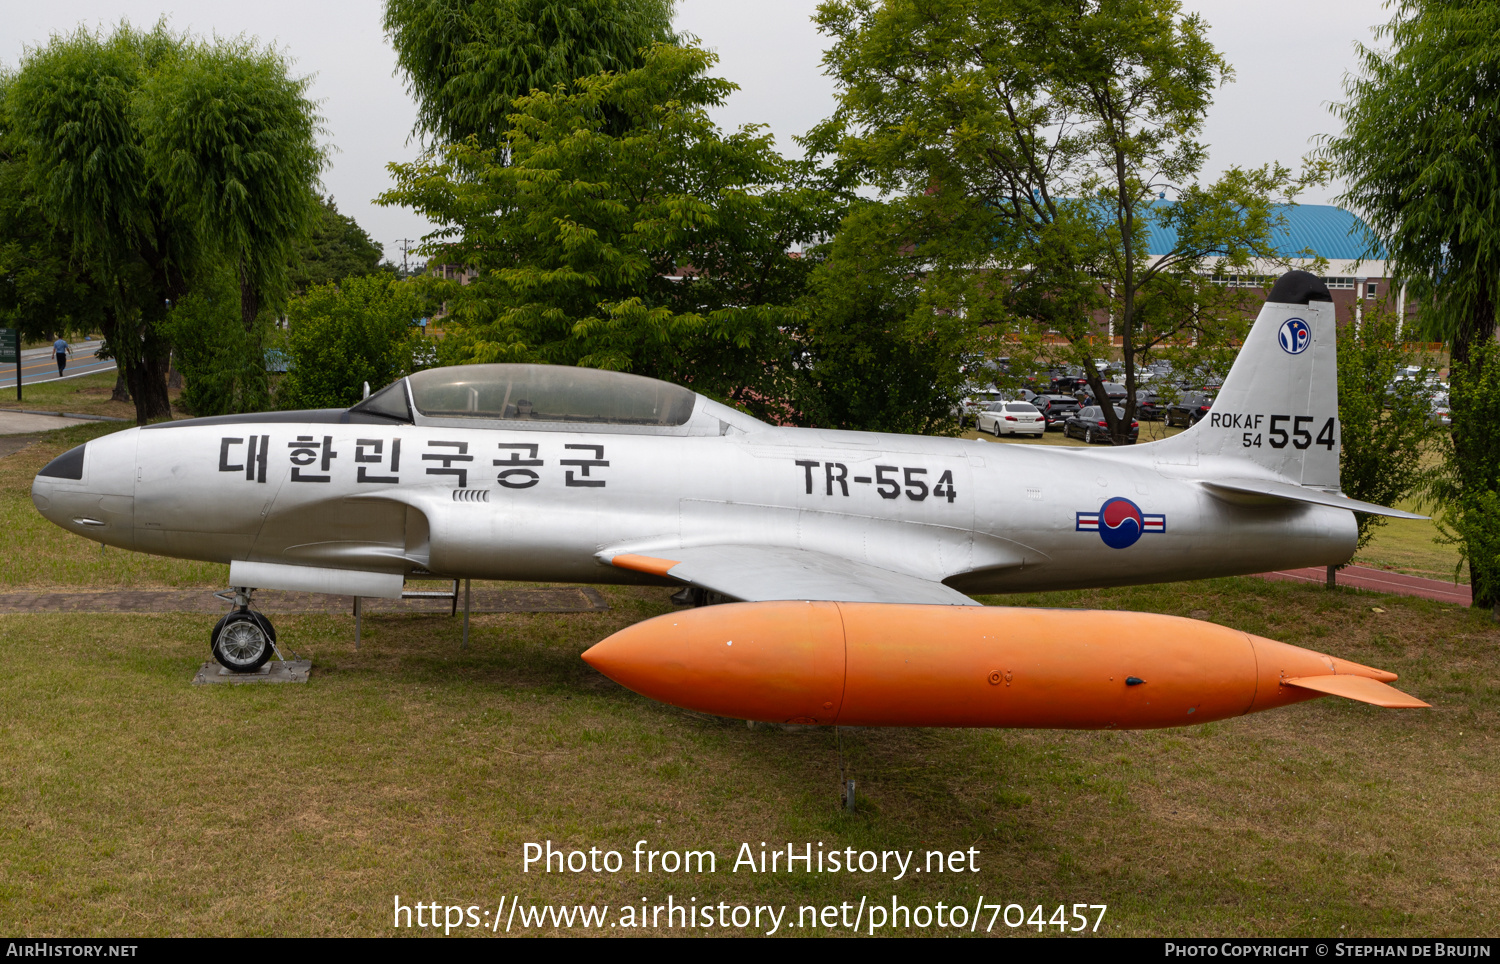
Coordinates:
[405,248]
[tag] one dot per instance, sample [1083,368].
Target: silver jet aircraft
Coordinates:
[541,473]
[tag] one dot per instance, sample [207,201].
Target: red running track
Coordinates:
[1360,577]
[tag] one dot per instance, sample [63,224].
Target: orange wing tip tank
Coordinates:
[867,664]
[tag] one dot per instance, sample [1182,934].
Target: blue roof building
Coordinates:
[1329,232]
[1356,269]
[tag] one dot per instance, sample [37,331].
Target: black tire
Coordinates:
[996,429]
[1088,436]
[242,641]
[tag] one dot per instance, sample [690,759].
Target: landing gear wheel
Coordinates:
[243,640]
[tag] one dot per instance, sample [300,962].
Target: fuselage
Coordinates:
[541,502]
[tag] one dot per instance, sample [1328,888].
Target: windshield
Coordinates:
[549,393]
[1021,407]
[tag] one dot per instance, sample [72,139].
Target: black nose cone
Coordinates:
[68,465]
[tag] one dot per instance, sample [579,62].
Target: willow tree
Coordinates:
[163,159]
[232,136]
[466,61]
[1419,155]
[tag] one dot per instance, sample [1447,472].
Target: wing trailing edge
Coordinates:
[766,573]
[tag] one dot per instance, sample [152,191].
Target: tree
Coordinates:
[43,289]
[870,357]
[465,62]
[337,248]
[231,136]
[1467,493]
[1026,147]
[223,365]
[1385,426]
[661,248]
[160,160]
[341,337]
[1430,197]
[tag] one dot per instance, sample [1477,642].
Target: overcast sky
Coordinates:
[1289,57]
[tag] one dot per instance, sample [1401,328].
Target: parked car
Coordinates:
[1114,391]
[1089,425]
[1148,406]
[1012,418]
[1055,408]
[969,409]
[1440,412]
[1187,410]
[1067,385]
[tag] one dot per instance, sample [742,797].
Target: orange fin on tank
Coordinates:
[1361,688]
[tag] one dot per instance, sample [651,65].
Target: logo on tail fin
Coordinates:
[1295,336]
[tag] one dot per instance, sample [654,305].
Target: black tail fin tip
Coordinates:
[1299,288]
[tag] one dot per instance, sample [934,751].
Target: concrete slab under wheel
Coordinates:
[274,671]
[560,599]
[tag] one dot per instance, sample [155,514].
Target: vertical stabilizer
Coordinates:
[1279,407]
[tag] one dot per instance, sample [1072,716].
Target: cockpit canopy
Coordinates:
[535,393]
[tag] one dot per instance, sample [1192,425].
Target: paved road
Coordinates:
[38,365]
[1399,584]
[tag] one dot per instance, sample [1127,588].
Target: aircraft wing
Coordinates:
[761,573]
[1288,492]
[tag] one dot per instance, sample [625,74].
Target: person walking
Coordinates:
[62,350]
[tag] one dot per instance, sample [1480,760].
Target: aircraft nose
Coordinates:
[90,490]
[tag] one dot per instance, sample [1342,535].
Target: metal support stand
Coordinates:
[846,785]
[465,643]
[1331,582]
[451,596]
[358,614]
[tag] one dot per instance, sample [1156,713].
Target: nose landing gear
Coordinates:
[244,639]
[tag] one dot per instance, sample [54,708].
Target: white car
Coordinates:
[968,410]
[1012,418]
[1440,410]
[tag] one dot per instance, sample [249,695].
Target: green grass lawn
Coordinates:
[89,395]
[134,803]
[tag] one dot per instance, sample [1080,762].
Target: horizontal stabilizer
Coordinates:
[1288,492]
[1360,688]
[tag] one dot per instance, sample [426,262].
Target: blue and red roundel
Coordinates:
[1120,523]
[1294,336]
